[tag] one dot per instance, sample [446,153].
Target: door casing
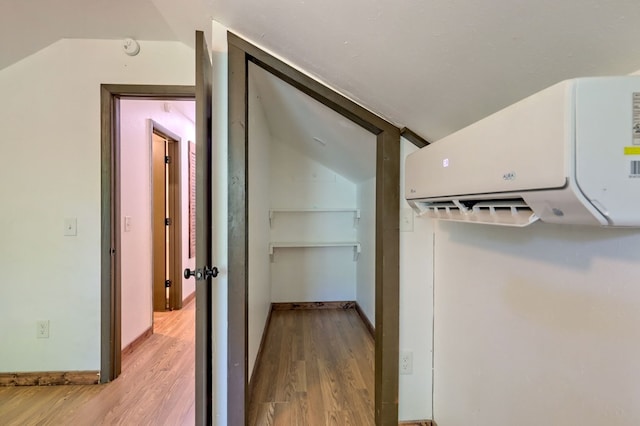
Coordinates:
[110,247]
[387,214]
[173,199]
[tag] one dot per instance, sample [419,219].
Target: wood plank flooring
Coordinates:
[156,386]
[316,368]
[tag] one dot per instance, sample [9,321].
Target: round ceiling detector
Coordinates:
[131,47]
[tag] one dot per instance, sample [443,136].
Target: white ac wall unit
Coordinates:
[568,154]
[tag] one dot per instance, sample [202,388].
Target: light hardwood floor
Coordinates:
[156,386]
[316,369]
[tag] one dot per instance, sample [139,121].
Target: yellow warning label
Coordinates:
[632,150]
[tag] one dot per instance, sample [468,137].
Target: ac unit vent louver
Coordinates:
[508,212]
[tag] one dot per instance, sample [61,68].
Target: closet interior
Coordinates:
[312,188]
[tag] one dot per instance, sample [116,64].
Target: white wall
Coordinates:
[50,169]
[136,192]
[536,322]
[416,309]
[310,274]
[259,232]
[366,234]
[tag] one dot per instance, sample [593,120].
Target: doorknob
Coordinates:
[210,272]
[193,273]
[205,273]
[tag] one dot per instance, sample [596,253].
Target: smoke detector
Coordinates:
[130,46]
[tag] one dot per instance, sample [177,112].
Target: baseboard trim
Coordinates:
[292,306]
[54,378]
[188,299]
[137,342]
[366,321]
[418,423]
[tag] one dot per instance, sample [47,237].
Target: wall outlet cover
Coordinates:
[42,329]
[406,362]
[406,220]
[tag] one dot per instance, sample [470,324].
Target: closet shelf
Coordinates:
[356,212]
[297,244]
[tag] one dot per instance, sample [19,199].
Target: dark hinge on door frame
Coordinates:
[167,159]
[167,221]
[167,290]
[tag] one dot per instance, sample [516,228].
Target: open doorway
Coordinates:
[170,251]
[311,294]
[128,116]
[154,206]
[387,200]
[111,96]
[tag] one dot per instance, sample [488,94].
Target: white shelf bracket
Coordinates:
[356,252]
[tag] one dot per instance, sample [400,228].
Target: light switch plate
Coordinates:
[70,227]
[127,223]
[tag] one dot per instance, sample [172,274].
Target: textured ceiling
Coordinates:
[433,66]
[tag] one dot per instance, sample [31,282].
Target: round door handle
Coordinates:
[210,272]
[205,273]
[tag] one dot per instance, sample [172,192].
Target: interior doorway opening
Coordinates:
[129,116]
[154,140]
[167,213]
[311,187]
[387,201]
[111,257]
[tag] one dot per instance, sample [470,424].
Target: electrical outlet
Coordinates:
[406,220]
[406,362]
[42,329]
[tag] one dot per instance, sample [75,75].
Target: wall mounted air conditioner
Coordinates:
[568,154]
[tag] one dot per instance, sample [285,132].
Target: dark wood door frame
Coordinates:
[387,228]
[175,214]
[110,269]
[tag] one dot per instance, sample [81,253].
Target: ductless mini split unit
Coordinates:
[568,154]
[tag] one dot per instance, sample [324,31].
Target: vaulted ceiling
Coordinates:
[313,129]
[431,65]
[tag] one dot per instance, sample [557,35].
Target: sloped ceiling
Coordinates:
[438,65]
[26,26]
[433,66]
[314,130]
